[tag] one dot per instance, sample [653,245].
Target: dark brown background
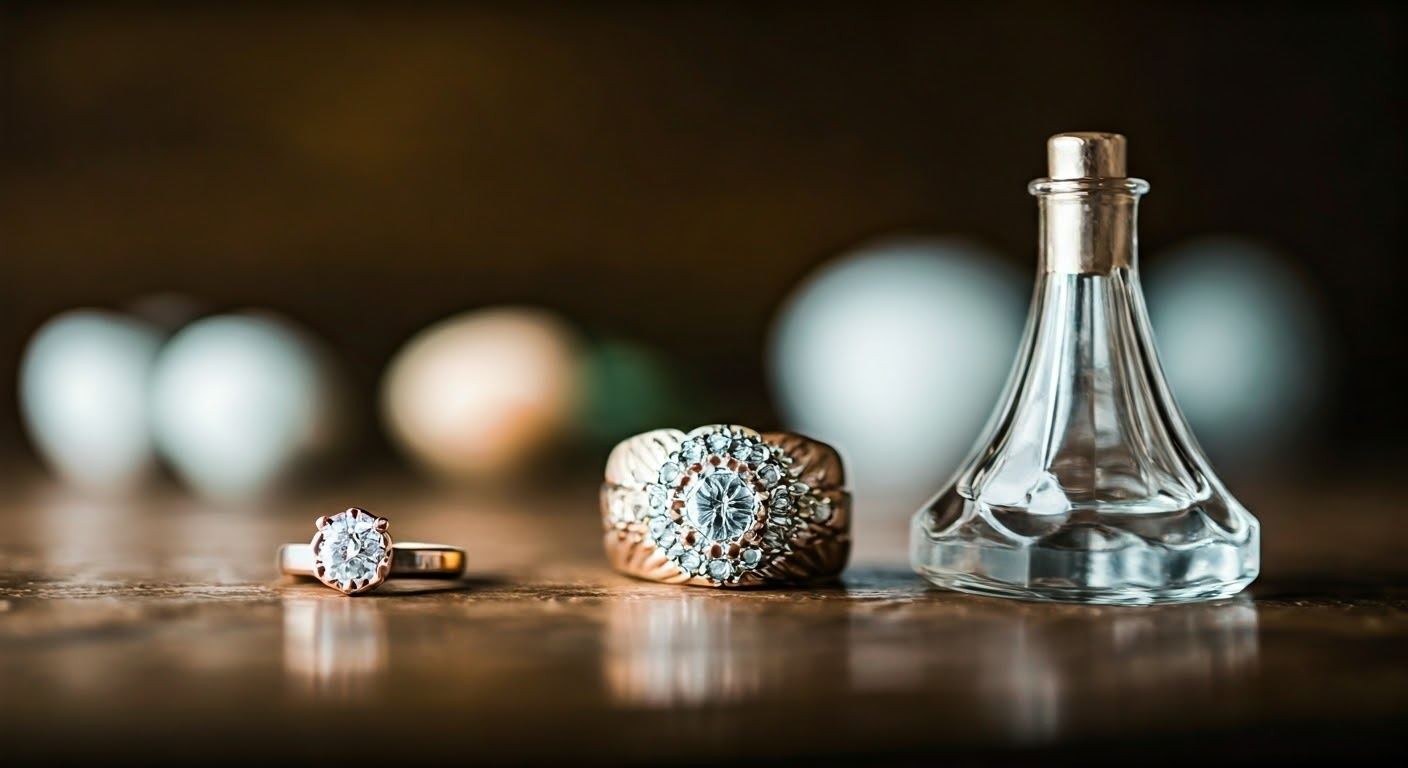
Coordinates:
[368,168]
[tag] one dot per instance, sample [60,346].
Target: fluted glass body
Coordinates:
[1088,485]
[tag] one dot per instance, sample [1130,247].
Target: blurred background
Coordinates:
[469,236]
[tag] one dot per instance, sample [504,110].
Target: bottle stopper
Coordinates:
[1085,155]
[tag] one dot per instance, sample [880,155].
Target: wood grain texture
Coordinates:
[157,628]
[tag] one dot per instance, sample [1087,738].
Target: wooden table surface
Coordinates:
[158,627]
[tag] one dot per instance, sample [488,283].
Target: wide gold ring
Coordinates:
[352,552]
[725,506]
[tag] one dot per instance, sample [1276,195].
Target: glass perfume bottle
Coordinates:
[1088,485]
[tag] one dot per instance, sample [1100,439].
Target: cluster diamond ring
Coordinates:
[726,506]
[352,552]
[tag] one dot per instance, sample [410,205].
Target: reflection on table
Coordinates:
[334,646]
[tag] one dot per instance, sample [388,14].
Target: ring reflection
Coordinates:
[685,650]
[333,646]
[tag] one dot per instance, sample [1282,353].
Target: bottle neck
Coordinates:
[1088,226]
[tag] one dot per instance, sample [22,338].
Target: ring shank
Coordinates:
[409,560]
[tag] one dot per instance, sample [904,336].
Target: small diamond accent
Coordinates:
[759,454]
[669,473]
[780,501]
[692,451]
[822,511]
[690,560]
[751,557]
[718,443]
[657,495]
[742,449]
[720,570]
[770,474]
[658,526]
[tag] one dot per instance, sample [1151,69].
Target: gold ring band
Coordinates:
[409,560]
[726,506]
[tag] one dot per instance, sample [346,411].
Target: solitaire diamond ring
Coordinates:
[353,553]
[725,506]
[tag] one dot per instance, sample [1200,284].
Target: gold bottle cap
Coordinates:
[1085,155]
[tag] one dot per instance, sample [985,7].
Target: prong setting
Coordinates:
[352,551]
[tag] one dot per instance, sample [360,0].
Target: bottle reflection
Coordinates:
[686,650]
[1038,672]
[333,646]
[1053,677]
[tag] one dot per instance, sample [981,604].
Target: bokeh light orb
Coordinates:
[627,388]
[83,397]
[1244,344]
[483,392]
[241,401]
[896,354]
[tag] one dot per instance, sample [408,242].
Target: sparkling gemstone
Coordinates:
[718,443]
[780,500]
[690,560]
[742,448]
[751,557]
[769,474]
[658,526]
[669,473]
[675,552]
[822,511]
[657,495]
[720,570]
[759,454]
[721,506]
[667,539]
[352,548]
[692,451]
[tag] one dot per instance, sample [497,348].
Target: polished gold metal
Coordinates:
[817,552]
[409,560]
[404,560]
[1087,204]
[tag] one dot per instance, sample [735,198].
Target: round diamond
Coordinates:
[669,473]
[692,451]
[759,454]
[822,511]
[657,495]
[769,474]
[751,557]
[741,449]
[352,548]
[721,506]
[718,443]
[720,570]
[658,525]
[690,560]
[780,501]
